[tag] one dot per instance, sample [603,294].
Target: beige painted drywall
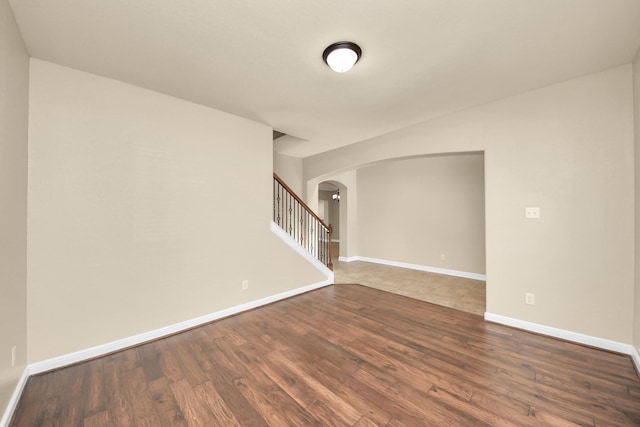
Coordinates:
[416,210]
[567,148]
[145,211]
[14,96]
[289,169]
[636,98]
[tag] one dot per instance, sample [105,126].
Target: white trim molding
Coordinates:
[427,268]
[101,350]
[576,337]
[345,259]
[15,397]
[284,236]
[104,349]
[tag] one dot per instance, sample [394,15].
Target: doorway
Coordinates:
[421,230]
[329,196]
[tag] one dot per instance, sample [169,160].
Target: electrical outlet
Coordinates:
[13,356]
[443,257]
[530,299]
[245,284]
[532,213]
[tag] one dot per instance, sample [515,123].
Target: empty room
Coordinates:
[282,213]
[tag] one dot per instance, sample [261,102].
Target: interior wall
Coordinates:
[145,211]
[566,148]
[14,96]
[636,97]
[289,169]
[418,210]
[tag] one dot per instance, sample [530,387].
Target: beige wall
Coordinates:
[415,210]
[145,210]
[636,97]
[567,148]
[14,95]
[289,169]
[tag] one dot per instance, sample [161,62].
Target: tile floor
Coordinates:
[449,291]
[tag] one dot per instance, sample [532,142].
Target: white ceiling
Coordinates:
[262,59]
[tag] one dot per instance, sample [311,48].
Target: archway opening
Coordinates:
[332,210]
[421,229]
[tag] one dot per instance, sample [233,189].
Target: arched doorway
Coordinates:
[417,228]
[331,196]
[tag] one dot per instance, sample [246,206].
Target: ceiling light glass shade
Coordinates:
[341,56]
[341,60]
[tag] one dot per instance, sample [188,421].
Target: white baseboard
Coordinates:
[427,268]
[568,336]
[15,397]
[101,350]
[636,359]
[345,259]
[69,359]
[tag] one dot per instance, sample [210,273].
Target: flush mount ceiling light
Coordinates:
[341,56]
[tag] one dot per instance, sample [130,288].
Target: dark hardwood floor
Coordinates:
[344,355]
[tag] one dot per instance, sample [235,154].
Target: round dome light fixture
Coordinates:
[341,56]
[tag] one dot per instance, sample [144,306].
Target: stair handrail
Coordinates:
[323,255]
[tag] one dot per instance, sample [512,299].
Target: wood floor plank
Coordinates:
[187,357]
[266,397]
[165,403]
[94,391]
[118,398]
[196,412]
[315,396]
[339,380]
[221,412]
[151,360]
[99,419]
[366,422]
[417,404]
[170,366]
[76,386]
[243,410]
[343,355]
[483,414]
[143,407]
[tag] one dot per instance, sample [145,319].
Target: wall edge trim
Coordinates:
[636,359]
[15,397]
[284,236]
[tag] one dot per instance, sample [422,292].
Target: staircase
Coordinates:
[296,218]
